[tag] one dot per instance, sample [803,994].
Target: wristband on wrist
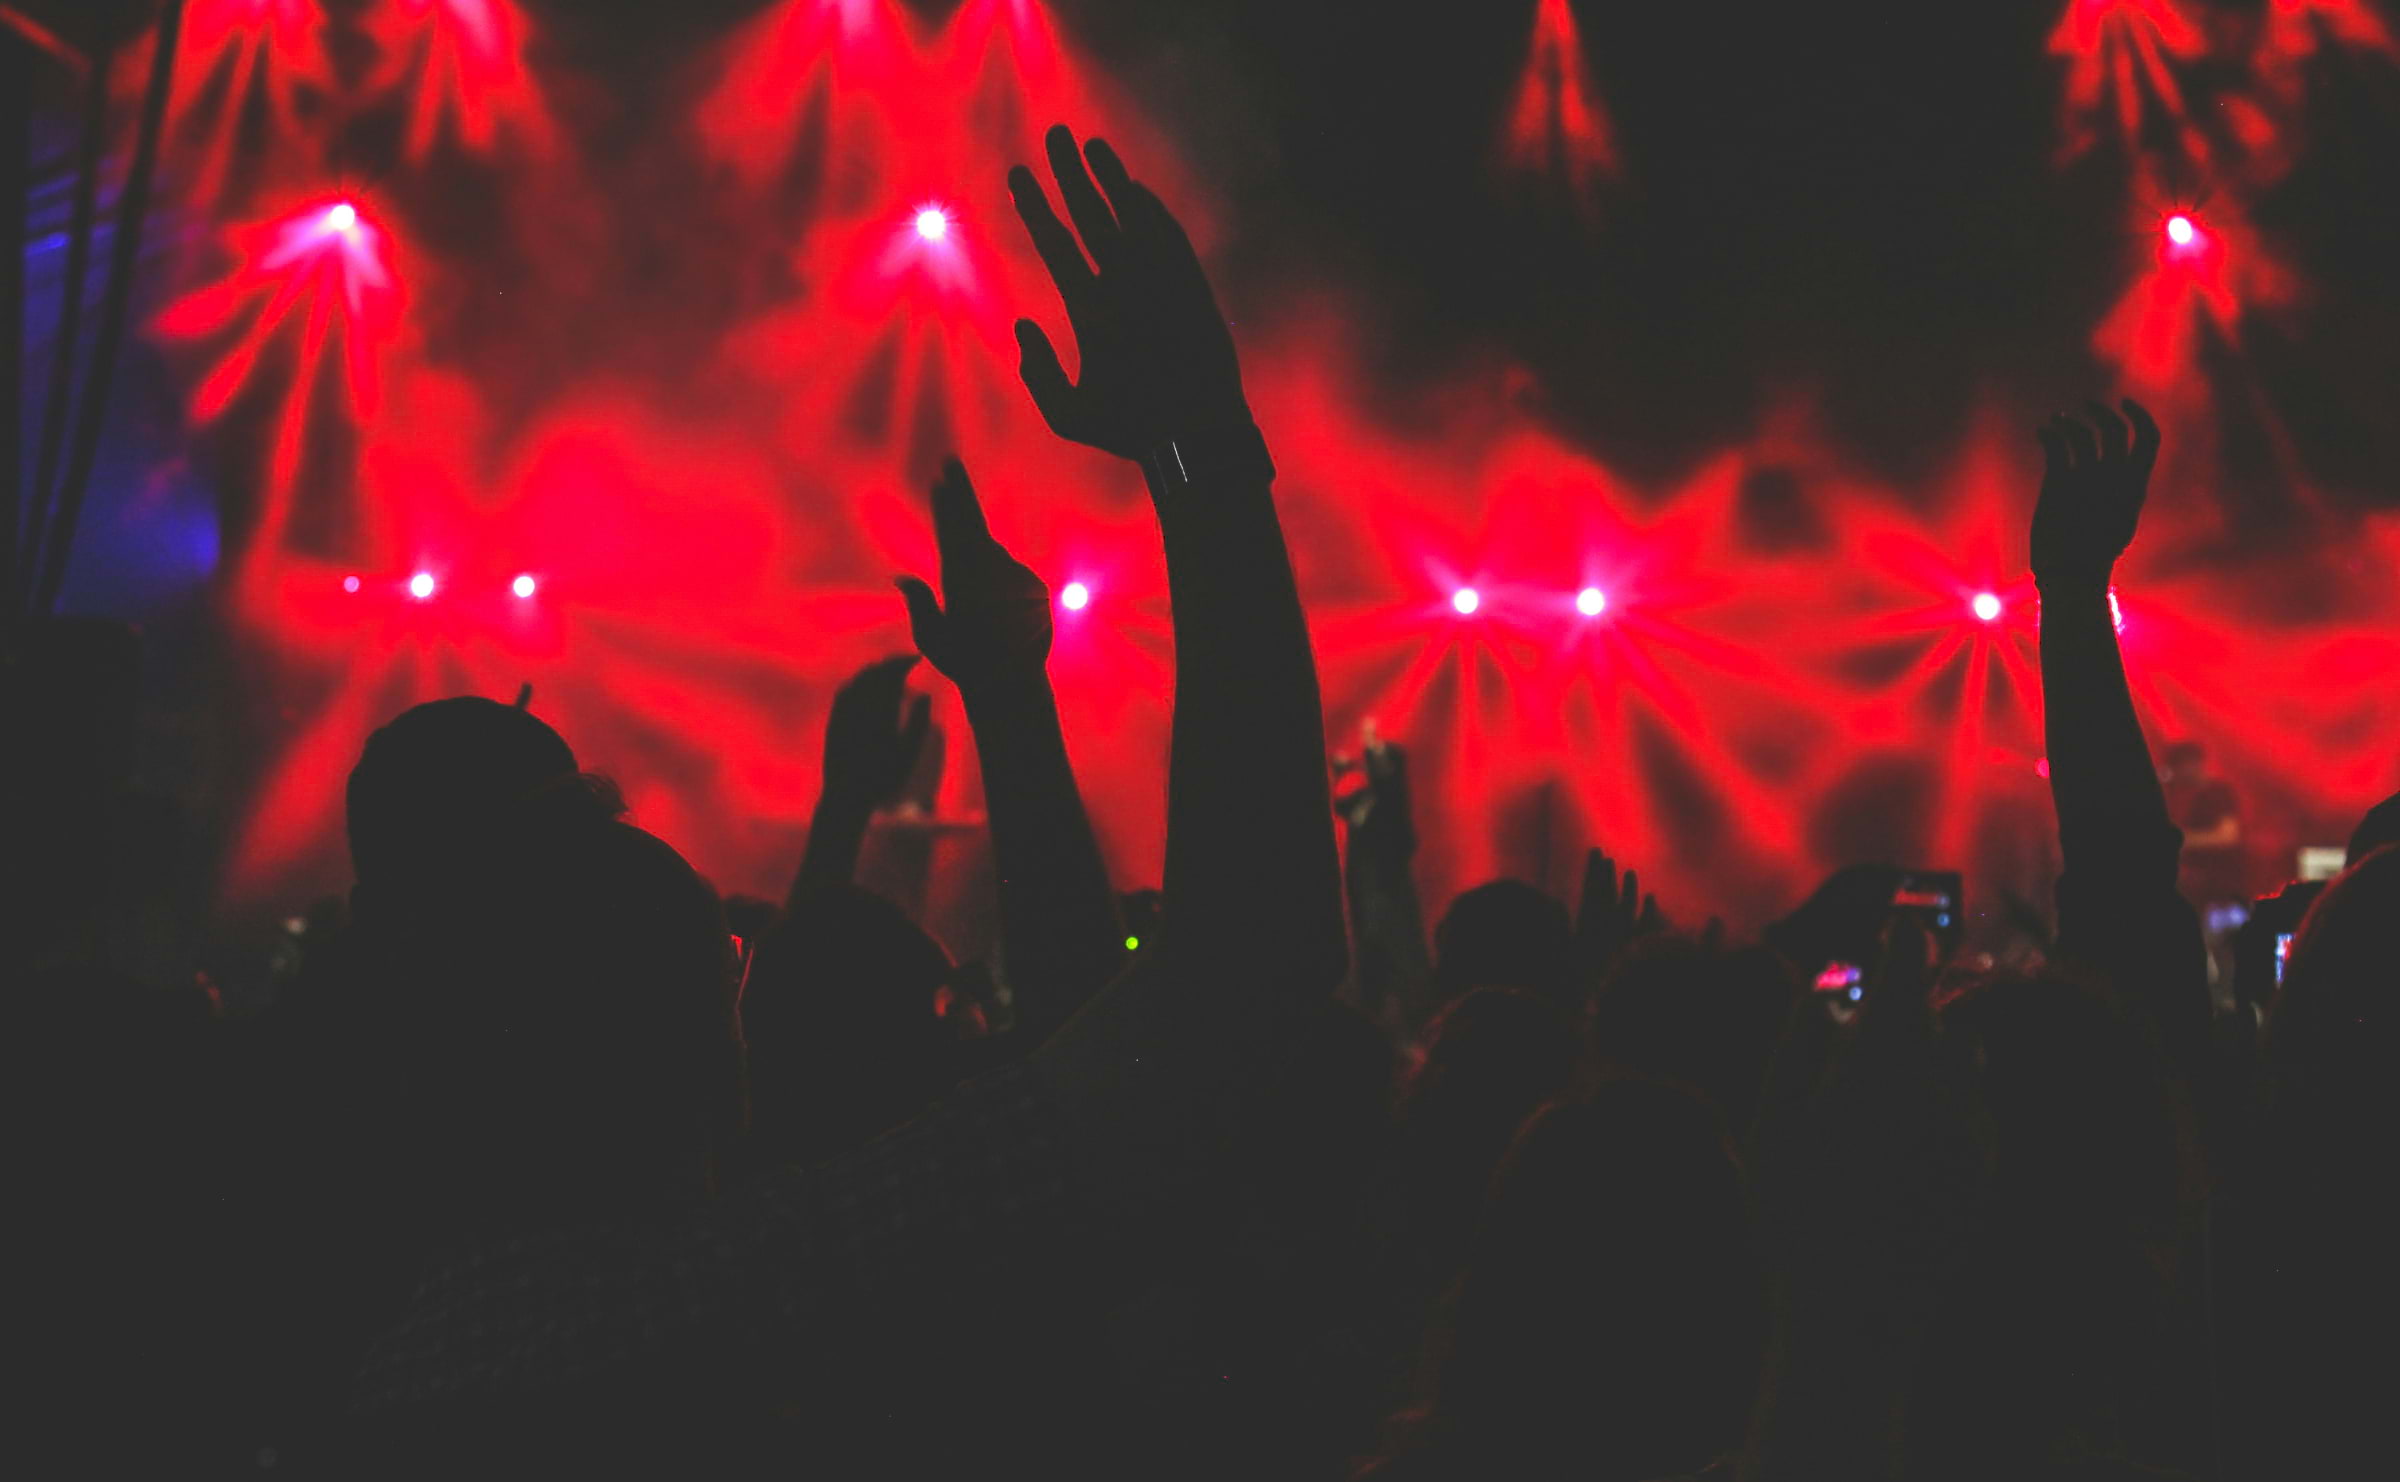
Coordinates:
[1228,453]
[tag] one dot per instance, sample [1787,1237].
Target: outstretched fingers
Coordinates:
[2084,447]
[1599,889]
[1165,249]
[1102,236]
[2054,450]
[1069,270]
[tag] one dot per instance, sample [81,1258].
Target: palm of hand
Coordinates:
[1156,356]
[870,747]
[991,626]
[995,623]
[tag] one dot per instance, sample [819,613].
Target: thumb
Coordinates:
[1053,394]
[924,613]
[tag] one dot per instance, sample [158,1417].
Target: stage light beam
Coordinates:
[1591,602]
[1986,607]
[421,585]
[1466,600]
[1074,596]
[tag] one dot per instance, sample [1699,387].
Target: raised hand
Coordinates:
[1158,376]
[991,627]
[1611,916]
[2095,476]
[870,747]
[1377,811]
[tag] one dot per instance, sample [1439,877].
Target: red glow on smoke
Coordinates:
[713,549]
[328,271]
[2121,57]
[782,65]
[2212,275]
[234,55]
[327,262]
[2297,29]
[1557,128]
[460,66]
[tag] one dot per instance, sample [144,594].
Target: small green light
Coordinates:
[1133,944]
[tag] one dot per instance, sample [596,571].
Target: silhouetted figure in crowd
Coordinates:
[2305,1244]
[841,1023]
[2379,827]
[1611,1317]
[2206,808]
[1505,934]
[1490,1058]
[548,1163]
[578,1337]
[1704,1017]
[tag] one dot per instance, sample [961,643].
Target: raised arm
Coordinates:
[1387,921]
[989,631]
[1053,1158]
[870,748]
[1254,906]
[2117,903]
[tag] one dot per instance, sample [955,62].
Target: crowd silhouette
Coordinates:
[548,1161]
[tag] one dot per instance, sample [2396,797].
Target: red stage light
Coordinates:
[1466,600]
[1074,596]
[2181,231]
[1986,607]
[933,223]
[341,217]
[420,586]
[349,583]
[2116,612]
[1591,602]
[522,586]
